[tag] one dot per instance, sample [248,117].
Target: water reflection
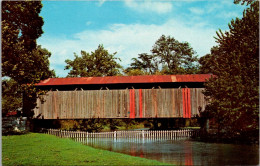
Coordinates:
[180,151]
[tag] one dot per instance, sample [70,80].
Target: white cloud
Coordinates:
[127,40]
[197,11]
[223,5]
[148,5]
[101,2]
[228,15]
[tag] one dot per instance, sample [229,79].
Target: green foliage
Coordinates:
[89,125]
[21,26]
[35,69]
[22,60]
[134,72]
[97,125]
[169,56]
[234,92]
[247,2]
[144,63]
[68,124]
[175,57]
[206,62]
[92,125]
[43,149]
[21,23]
[114,123]
[11,96]
[98,63]
[129,71]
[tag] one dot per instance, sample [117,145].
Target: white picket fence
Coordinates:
[164,134]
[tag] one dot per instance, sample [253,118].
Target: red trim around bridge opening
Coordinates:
[186,103]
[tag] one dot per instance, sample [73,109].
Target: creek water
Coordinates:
[181,151]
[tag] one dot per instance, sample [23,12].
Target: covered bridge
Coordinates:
[153,96]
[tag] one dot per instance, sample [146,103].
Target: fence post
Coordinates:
[114,134]
[158,134]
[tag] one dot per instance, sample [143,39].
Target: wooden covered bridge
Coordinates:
[155,96]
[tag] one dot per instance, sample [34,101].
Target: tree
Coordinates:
[21,26]
[23,62]
[98,63]
[18,89]
[11,96]
[206,63]
[176,57]
[38,68]
[169,56]
[134,72]
[234,92]
[143,64]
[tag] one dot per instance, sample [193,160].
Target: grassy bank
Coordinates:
[41,149]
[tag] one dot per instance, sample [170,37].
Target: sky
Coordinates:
[130,27]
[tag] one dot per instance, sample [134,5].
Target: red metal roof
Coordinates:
[125,79]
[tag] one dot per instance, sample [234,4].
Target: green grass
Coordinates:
[42,149]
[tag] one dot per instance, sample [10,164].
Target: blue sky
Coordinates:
[130,27]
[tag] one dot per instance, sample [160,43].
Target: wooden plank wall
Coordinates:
[129,103]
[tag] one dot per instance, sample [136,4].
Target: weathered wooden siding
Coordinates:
[129,103]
